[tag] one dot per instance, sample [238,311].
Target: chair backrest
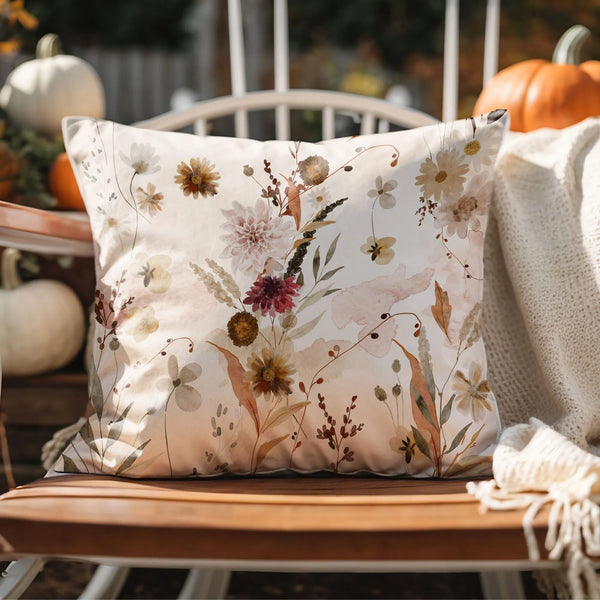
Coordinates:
[374,115]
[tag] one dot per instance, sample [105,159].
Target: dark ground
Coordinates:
[67,580]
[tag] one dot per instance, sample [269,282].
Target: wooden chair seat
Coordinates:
[259,519]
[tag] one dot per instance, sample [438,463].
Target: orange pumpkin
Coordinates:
[539,93]
[63,185]
[9,168]
[592,68]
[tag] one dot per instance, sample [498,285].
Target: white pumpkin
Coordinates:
[40,92]
[42,324]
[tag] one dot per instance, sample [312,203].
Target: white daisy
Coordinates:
[141,159]
[446,175]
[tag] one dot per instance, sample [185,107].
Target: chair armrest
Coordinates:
[43,231]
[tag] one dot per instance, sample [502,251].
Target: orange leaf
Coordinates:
[423,406]
[301,241]
[293,201]
[267,447]
[9,46]
[442,309]
[241,388]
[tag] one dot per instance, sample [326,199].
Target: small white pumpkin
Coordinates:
[42,324]
[40,92]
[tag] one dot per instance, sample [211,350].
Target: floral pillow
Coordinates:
[269,306]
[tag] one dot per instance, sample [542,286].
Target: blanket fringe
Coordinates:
[573,532]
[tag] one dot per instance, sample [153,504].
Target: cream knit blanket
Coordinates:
[542,333]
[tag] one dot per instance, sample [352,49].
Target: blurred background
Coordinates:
[146,51]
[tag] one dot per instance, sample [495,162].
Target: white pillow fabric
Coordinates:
[265,306]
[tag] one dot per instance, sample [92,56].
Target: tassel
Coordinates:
[573,531]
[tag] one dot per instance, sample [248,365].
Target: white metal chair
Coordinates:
[228,525]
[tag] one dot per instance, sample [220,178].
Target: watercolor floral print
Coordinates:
[271,306]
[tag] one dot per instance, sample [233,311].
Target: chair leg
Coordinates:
[17,577]
[501,585]
[106,583]
[205,584]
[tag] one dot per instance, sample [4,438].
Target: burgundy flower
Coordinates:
[272,295]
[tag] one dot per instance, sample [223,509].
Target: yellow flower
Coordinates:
[177,383]
[444,175]
[154,270]
[17,12]
[140,322]
[13,13]
[242,328]
[403,442]
[472,147]
[313,170]
[380,249]
[269,374]
[472,392]
[149,200]
[198,178]
[382,192]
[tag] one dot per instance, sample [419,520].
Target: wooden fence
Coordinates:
[140,83]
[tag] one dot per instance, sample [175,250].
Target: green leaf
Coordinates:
[306,328]
[332,291]
[116,428]
[283,413]
[88,437]
[471,466]
[459,437]
[316,263]
[331,273]
[69,465]
[96,393]
[425,361]
[312,299]
[421,442]
[420,402]
[331,250]
[300,279]
[419,389]
[447,410]
[128,462]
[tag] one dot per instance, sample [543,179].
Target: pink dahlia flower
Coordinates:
[253,236]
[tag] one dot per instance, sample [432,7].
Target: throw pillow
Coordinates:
[270,306]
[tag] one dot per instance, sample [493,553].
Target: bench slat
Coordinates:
[320,518]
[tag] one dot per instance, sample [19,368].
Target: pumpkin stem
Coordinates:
[10,274]
[48,46]
[568,48]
